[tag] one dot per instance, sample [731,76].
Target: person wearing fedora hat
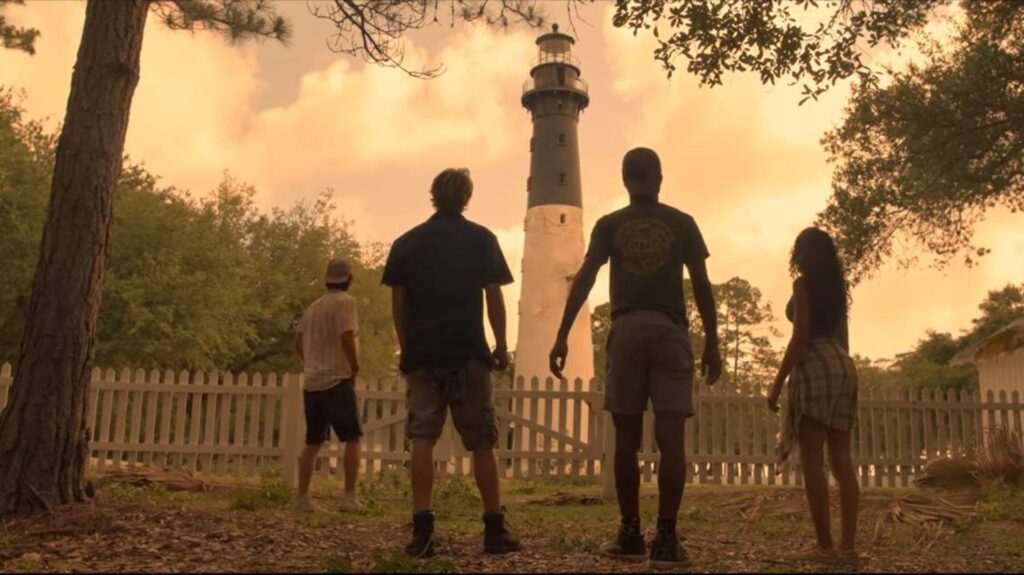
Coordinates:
[325,339]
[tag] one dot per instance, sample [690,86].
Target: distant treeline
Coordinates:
[192,283]
[212,282]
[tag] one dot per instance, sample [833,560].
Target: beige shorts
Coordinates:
[429,398]
[649,357]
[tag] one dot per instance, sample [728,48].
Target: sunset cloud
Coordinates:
[743,159]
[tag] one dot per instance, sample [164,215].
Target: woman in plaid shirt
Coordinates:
[822,401]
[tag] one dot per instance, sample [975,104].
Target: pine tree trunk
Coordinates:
[43,430]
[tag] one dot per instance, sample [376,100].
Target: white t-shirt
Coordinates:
[323,322]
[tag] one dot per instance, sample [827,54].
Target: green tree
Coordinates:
[927,366]
[25,170]
[919,161]
[774,38]
[43,429]
[16,37]
[745,324]
[999,308]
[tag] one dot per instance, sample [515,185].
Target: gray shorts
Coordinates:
[429,398]
[649,357]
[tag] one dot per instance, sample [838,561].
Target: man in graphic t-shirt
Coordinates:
[325,339]
[649,355]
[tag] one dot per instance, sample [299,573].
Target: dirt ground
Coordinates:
[562,525]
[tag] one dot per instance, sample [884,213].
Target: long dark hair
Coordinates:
[815,258]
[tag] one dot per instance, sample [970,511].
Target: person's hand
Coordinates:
[711,364]
[773,398]
[557,358]
[499,358]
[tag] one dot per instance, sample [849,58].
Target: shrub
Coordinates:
[270,494]
[1002,459]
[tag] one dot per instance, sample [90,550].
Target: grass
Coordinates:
[338,563]
[564,523]
[270,493]
[1002,502]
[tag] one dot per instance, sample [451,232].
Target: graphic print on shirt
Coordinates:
[645,245]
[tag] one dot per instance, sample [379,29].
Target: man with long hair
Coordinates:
[649,353]
[437,272]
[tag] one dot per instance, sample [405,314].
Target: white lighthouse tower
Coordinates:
[553,251]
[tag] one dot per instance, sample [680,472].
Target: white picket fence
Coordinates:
[220,424]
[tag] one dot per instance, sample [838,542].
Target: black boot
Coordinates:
[629,544]
[666,551]
[497,537]
[422,544]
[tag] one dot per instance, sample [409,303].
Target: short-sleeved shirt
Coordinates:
[444,264]
[324,321]
[648,245]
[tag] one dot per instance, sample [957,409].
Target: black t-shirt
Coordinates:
[444,265]
[648,245]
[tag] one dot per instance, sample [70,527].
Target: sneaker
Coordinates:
[666,551]
[629,545]
[350,503]
[814,555]
[304,504]
[497,536]
[422,544]
[848,556]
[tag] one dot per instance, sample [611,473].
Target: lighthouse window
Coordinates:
[561,219]
[561,179]
[561,139]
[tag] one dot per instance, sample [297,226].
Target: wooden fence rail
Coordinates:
[221,424]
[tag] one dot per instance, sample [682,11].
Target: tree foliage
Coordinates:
[927,366]
[234,20]
[375,30]
[16,37]
[207,283]
[919,161]
[774,38]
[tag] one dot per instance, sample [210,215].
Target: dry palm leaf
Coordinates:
[934,516]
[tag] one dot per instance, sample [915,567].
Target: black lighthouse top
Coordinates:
[556,71]
[555,94]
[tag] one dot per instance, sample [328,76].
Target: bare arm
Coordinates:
[797,342]
[398,313]
[348,346]
[497,317]
[578,294]
[711,361]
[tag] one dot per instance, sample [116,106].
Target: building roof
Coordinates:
[1005,340]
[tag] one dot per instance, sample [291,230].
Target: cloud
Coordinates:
[742,158]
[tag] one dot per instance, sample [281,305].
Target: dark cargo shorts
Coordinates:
[335,407]
[649,357]
[428,398]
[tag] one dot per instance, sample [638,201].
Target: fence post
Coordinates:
[608,457]
[291,428]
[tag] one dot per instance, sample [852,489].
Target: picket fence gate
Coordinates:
[244,425]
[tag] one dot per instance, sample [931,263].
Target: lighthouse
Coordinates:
[553,248]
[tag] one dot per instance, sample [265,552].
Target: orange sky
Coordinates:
[743,159]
